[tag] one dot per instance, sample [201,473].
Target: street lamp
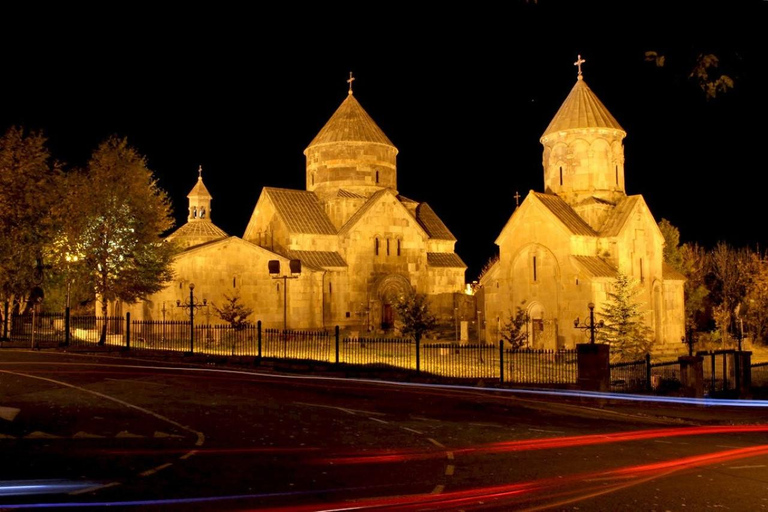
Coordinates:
[192,305]
[274,271]
[71,258]
[591,325]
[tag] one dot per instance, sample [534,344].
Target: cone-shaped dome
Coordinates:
[582,109]
[350,123]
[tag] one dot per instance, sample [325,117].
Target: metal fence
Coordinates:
[631,376]
[476,361]
[396,352]
[534,366]
[760,374]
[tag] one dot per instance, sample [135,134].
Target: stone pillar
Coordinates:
[594,366]
[692,376]
[743,364]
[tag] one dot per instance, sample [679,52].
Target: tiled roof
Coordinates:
[565,214]
[301,211]
[198,229]
[670,274]
[347,194]
[445,259]
[432,223]
[582,109]
[595,267]
[619,216]
[318,259]
[350,123]
[361,211]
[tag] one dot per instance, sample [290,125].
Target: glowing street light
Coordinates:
[192,305]
[591,325]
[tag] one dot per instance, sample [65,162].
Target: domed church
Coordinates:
[562,248]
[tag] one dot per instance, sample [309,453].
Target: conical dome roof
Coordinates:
[582,109]
[199,191]
[350,123]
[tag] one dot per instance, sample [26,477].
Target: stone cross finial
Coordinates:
[578,63]
[200,172]
[351,79]
[517,199]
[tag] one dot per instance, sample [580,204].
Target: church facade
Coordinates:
[562,248]
[360,242]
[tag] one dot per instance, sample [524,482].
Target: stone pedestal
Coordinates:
[692,376]
[594,367]
[743,364]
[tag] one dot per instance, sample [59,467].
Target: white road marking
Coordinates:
[662,442]
[188,455]
[727,446]
[748,467]
[412,430]
[200,435]
[155,470]
[547,431]
[86,435]
[41,435]
[496,425]
[8,413]
[438,489]
[439,445]
[138,382]
[449,469]
[449,455]
[353,412]
[95,488]
[159,434]
[125,433]
[380,421]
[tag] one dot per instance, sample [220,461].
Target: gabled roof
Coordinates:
[350,123]
[348,195]
[668,273]
[300,210]
[565,214]
[618,217]
[445,259]
[582,109]
[432,224]
[318,259]
[361,211]
[594,266]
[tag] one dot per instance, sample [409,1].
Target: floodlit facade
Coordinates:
[360,242]
[562,248]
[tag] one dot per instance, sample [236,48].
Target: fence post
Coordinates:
[337,344]
[6,319]
[258,336]
[128,330]
[66,326]
[648,372]
[418,353]
[501,361]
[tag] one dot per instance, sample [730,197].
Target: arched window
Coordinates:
[534,268]
[561,175]
[377,176]
[398,247]
[376,246]
[387,246]
[234,282]
[330,288]
[617,174]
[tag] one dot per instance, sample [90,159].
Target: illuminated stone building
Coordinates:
[562,248]
[361,244]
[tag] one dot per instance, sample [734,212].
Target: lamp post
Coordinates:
[35,302]
[192,305]
[591,325]
[274,271]
[70,258]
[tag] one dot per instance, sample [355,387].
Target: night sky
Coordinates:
[463,94]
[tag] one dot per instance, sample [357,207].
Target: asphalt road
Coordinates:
[81,431]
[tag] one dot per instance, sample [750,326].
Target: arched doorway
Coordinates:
[388,289]
[536,325]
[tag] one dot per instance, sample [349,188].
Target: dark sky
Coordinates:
[464,92]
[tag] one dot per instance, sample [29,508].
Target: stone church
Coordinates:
[360,242]
[562,248]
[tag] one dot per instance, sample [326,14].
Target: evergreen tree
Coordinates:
[514,331]
[624,330]
[234,312]
[413,311]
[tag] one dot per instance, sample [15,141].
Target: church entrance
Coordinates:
[537,333]
[389,289]
[387,317]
